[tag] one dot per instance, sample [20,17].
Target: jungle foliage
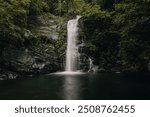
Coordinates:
[116,32]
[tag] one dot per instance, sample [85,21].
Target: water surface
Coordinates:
[79,86]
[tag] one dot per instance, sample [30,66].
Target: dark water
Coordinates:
[86,86]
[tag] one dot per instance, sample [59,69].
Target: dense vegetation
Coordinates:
[116,32]
[119,34]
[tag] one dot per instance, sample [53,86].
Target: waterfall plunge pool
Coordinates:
[70,85]
[86,86]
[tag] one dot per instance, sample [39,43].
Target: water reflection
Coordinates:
[71,88]
[78,86]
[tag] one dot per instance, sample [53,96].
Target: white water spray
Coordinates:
[72,48]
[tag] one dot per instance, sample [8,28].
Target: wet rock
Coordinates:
[27,61]
[5,74]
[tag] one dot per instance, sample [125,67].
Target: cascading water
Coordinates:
[75,59]
[90,64]
[72,48]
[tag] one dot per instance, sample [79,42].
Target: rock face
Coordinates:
[48,27]
[16,62]
[31,59]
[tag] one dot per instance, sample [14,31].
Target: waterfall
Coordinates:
[90,64]
[72,48]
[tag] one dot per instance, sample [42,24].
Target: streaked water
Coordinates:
[78,86]
[72,49]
